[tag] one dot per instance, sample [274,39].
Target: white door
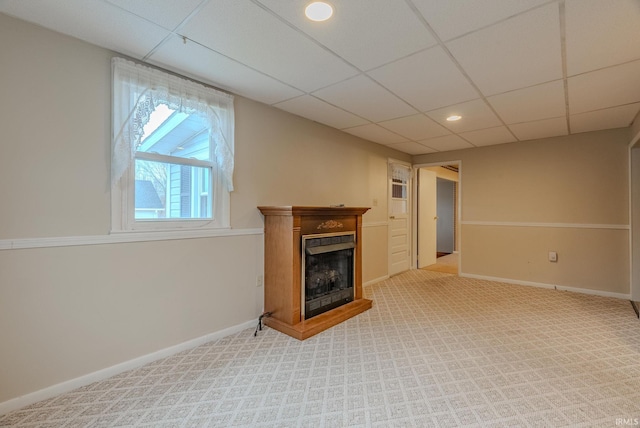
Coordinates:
[399,244]
[427,218]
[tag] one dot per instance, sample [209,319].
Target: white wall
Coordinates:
[69,311]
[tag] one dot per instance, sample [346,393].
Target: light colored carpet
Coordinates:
[435,350]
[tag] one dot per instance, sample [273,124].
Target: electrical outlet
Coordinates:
[259,280]
[553,256]
[375,202]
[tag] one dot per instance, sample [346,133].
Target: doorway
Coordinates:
[437,236]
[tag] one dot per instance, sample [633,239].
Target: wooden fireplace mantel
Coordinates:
[284,227]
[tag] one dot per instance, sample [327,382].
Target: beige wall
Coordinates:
[566,194]
[69,311]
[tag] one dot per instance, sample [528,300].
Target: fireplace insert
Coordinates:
[328,267]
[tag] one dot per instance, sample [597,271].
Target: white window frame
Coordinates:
[123,188]
[123,202]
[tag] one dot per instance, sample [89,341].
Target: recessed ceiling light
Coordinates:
[454,117]
[318,11]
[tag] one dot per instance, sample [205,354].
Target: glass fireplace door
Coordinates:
[327,272]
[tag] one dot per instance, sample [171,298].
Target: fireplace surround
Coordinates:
[313,263]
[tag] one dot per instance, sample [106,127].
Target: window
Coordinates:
[172,163]
[400,175]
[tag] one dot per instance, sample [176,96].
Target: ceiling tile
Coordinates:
[167,13]
[363,97]
[451,19]
[534,103]
[488,137]
[446,143]
[540,129]
[601,33]
[94,21]
[426,80]
[615,117]
[373,132]
[220,71]
[251,35]
[475,115]
[519,52]
[359,25]
[604,88]
[412,148]
[319,111]
[416,127]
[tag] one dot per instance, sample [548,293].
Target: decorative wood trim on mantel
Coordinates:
[298,210]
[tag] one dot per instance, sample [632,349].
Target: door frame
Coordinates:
[634,219]
[414,210]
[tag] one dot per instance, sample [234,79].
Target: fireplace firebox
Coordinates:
[327,271]
[312,268]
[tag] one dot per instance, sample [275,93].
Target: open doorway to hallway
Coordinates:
[437,226]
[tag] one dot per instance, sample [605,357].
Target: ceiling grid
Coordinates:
[389,72]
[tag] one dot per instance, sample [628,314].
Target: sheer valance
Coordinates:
[400,172]
[138,90]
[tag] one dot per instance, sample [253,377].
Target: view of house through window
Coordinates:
[173,167]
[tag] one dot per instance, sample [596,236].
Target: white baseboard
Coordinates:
[69,385]
[550,286]
[374,281]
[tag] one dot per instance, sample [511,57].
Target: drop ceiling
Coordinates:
[389,71]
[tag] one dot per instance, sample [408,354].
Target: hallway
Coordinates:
[445,264]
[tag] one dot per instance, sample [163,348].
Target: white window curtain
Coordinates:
[138,90]
[400,172]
